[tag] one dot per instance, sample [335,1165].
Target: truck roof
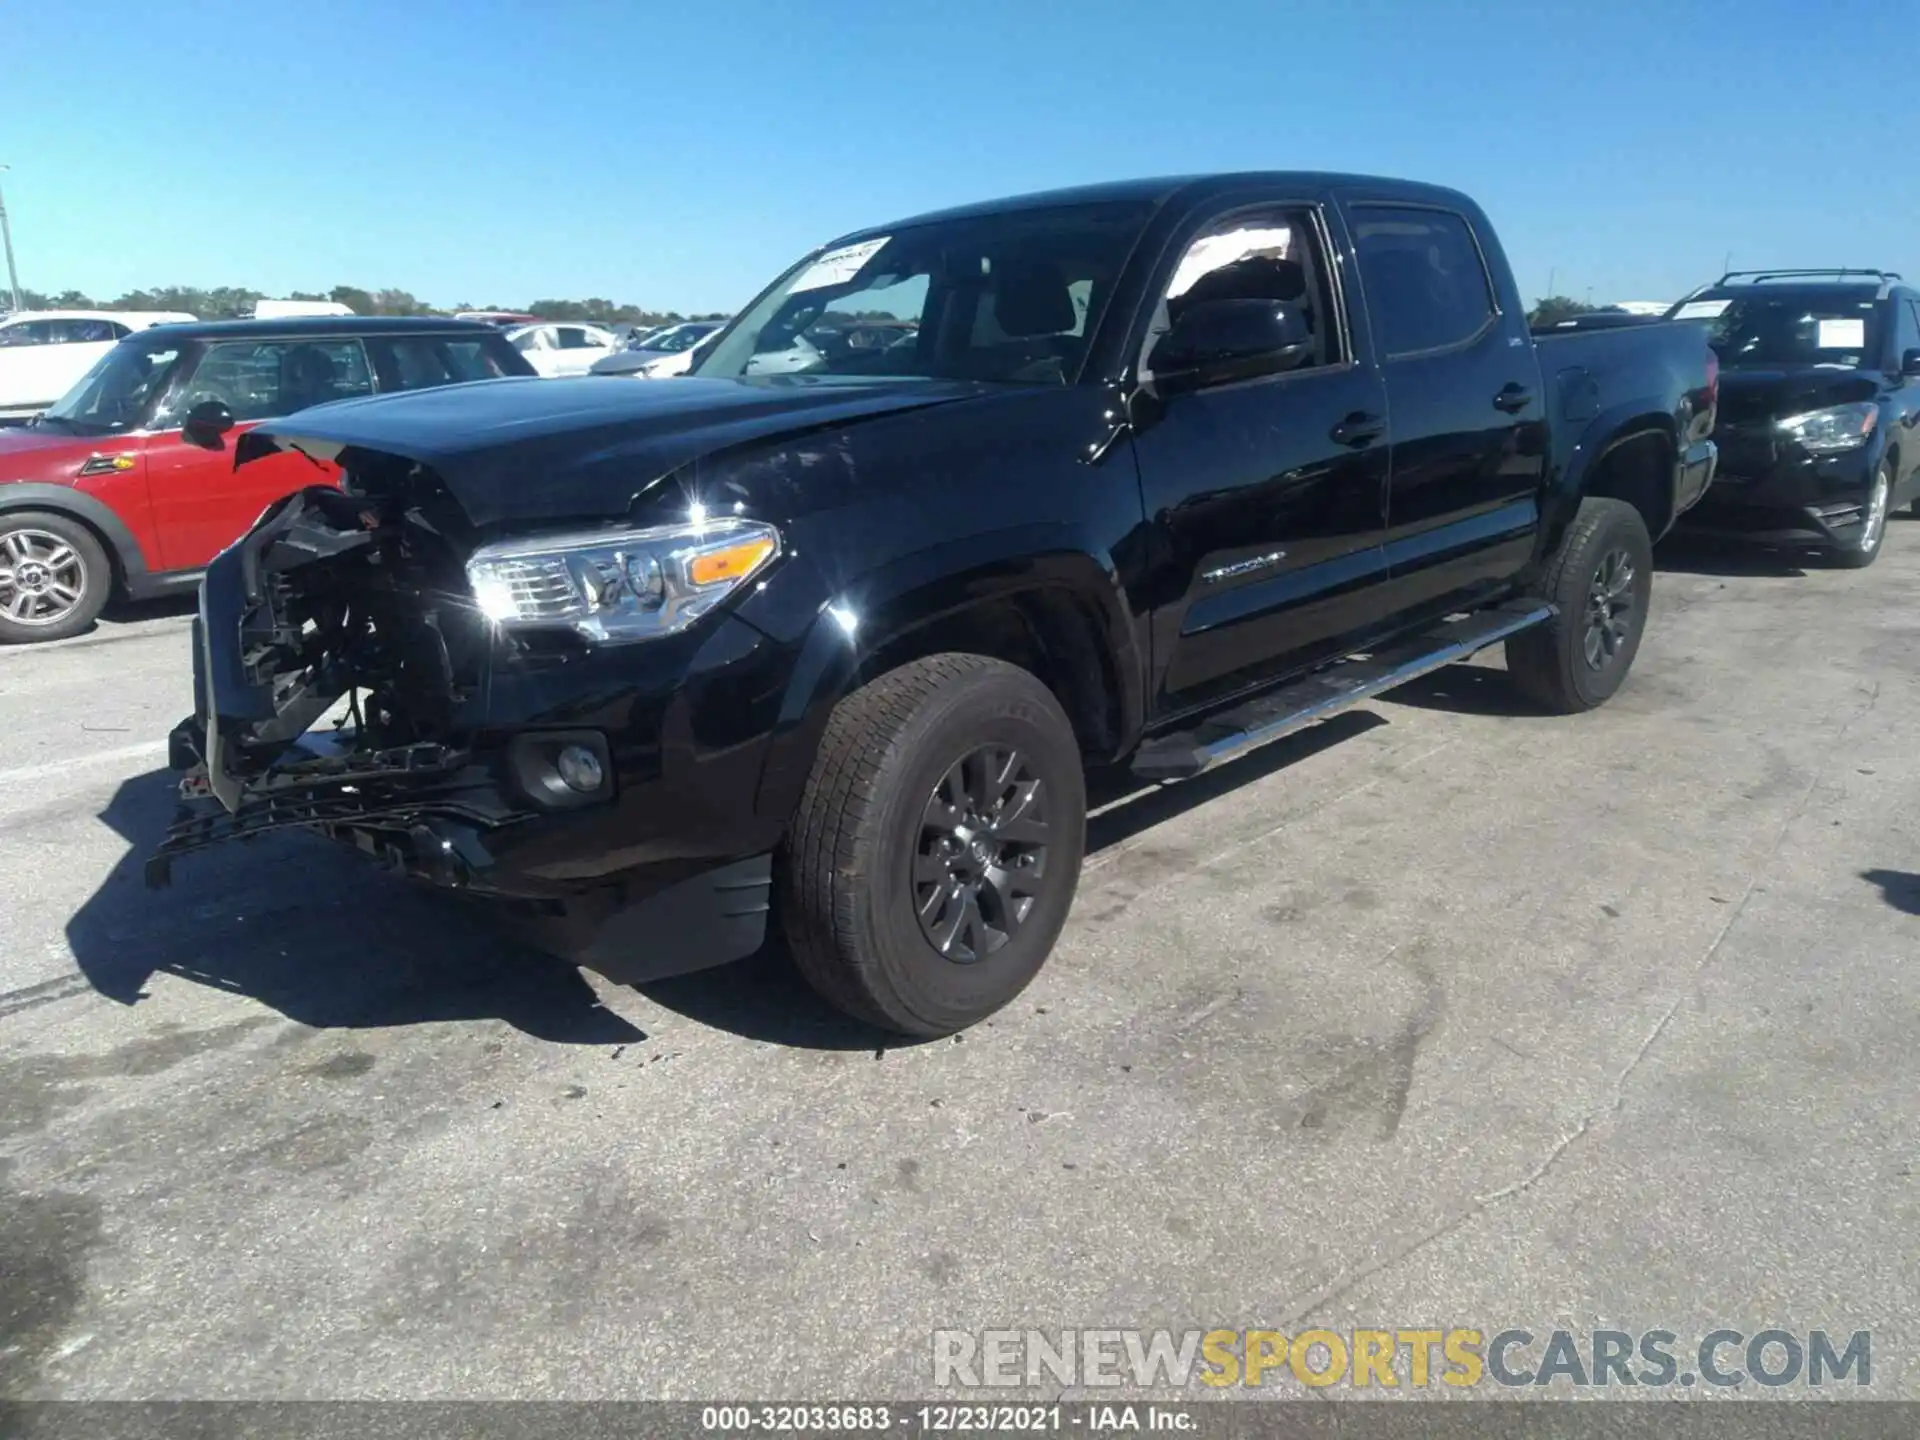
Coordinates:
[1186,188]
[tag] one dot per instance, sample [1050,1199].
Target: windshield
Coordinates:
[1783,330]
[116,393]
[1011,297]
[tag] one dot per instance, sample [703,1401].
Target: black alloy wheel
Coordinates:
[982,855]
[934,854]
[1600,583]
[1610,605]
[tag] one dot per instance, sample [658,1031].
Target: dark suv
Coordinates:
[1819,427]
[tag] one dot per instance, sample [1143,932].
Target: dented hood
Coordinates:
[549,450]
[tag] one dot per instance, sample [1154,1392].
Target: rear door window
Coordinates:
[420,362]
[1425,281]
[259,379]
[80,331]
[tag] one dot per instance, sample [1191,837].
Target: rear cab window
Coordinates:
[1426,282]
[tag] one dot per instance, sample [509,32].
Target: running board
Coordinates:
[1294,706]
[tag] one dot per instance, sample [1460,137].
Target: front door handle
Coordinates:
[1359,430]
[1513,398]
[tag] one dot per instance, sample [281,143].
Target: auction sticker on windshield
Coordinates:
[1843,335]
[836,267]
[1701,309]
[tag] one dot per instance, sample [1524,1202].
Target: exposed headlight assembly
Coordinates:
[619,585]
[1830,431]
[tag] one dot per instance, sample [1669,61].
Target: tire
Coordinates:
[863,858]
[55,577]
[1577,660]
[1864,549]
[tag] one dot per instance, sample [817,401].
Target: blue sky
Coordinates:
[677,155]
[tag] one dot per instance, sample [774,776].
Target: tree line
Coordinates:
[1552,309]
[228,302]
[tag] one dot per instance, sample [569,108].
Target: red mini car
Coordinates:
[127,485]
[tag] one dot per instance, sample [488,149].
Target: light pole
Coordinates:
[6,241]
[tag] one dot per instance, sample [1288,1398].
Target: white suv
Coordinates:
[44,352]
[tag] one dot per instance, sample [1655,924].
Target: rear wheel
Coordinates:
[1600,581]
[1862,548]
[54,577]
[937,846]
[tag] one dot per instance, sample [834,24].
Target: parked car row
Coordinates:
[44,352]
[127,484]
[1147,474]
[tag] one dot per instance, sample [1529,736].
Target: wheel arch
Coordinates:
[129,562]
[1600,441]
[1058,612]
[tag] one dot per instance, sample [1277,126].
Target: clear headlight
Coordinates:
[1829,431]
[619,585]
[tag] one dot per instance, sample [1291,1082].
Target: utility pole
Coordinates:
[6,241]
[1555,270]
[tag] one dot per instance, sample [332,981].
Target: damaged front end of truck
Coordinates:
[468,706]
[500,656]
[351,607]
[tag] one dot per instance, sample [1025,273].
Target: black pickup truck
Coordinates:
[1153,473]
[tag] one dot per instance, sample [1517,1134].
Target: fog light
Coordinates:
[580,768]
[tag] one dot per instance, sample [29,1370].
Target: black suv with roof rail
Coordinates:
[1819,427]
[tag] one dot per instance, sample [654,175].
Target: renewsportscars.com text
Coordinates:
[1400,1358]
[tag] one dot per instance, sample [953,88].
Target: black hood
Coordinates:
[1751,396]
[551,450]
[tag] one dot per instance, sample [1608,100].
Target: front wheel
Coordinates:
[1600,581]
[935,852]
[1863,548]
[54,577]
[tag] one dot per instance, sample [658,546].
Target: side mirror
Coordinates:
[1910,363]
[1219,340]
[206,423]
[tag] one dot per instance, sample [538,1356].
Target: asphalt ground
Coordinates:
[1443,1013]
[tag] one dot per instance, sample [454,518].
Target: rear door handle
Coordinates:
[1359,430]
[1513,398]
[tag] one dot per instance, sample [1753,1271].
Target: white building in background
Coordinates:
[292,309]
[1642,307]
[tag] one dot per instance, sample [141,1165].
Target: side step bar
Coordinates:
[1294,706]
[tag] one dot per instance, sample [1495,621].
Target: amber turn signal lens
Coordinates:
[730,563]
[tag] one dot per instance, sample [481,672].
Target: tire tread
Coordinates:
[1538,660]
[836,811]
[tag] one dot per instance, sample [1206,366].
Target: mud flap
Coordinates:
[709,919]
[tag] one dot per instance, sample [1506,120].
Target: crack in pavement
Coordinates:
[1345,1283]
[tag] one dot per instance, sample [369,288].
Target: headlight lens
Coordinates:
[1827,432]
[619,585]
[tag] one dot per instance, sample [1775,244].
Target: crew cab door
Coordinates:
[1266,496]
[1470,435]
[201,503]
